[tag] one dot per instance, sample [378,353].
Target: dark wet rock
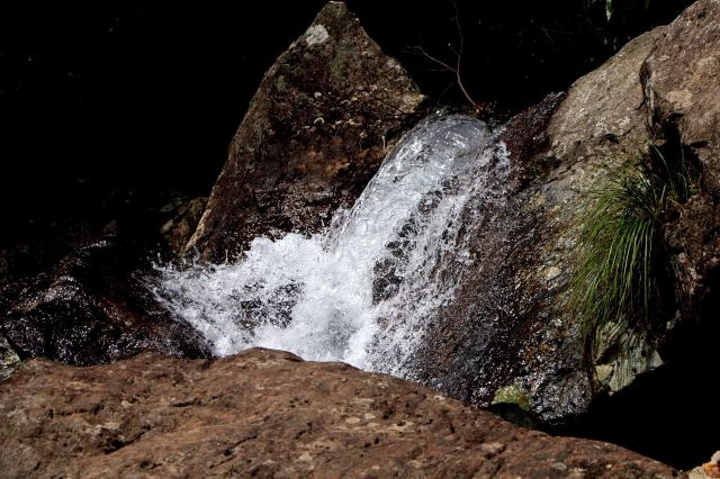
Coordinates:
[269,414]
[95,308]
[321,122]
[36,246]
[525,135]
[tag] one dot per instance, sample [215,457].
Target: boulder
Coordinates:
[321,122]
[269,414]
[95,307]
[525,339]
[670,100]
[511,337]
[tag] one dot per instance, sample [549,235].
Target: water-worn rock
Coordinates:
[95,308]
[322,120]
[269,414]
[511,326]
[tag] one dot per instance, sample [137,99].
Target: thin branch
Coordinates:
[458,59]
[436,60]
[387,104]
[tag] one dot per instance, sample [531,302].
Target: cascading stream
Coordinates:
[364,290]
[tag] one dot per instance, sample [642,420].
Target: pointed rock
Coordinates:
[318,127]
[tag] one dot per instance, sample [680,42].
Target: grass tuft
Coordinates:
[615,283]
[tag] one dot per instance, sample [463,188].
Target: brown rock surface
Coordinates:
[322,120]
[268,414]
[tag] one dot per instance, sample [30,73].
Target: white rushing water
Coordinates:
[363,291]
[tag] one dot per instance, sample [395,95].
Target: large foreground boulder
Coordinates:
[269,414]
[322,120]
[680,78]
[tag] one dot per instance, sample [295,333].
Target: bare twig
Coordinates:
[458,59]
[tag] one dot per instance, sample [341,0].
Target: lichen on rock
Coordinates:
[513,394]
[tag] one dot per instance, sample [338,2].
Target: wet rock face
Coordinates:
[509,326]
[660,88]
[322,120]
[269,414]
[94,308]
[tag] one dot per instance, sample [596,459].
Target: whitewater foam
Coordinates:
[364,290]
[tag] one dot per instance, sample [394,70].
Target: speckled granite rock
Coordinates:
[9,359]
[509,326]
[680,78]
[269,414]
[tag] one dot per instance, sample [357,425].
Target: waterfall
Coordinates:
[365,290]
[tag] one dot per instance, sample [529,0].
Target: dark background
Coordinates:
[110,108]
